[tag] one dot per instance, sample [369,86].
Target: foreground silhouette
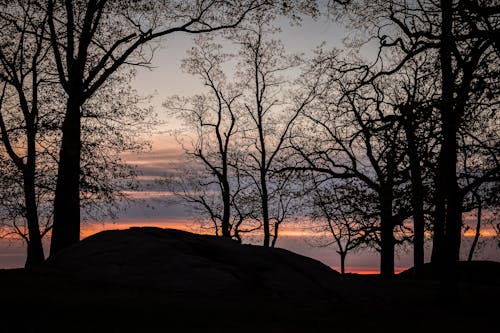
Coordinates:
[180,261]
[160,280]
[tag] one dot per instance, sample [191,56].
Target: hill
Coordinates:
[160,280]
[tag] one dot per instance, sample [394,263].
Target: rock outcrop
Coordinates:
[183,262]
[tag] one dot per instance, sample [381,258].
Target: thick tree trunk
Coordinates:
[453,225]
[342,262]
[66,228]
[386,236]
[438,220]
[417,201]
[448,161]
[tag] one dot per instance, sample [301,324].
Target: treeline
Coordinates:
[66,110]
[385,141]
[388,141]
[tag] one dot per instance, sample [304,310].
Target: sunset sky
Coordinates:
[155,209]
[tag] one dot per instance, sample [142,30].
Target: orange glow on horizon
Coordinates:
[483,233]
[367,270]
[90,229]
[189,225]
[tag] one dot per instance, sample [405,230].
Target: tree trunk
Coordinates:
[438,220]
[417,199]
[275,236]
[449,144]
[66,227]
[35,255]
[226,214]
[386,235]
[342,262]
[478,228]
[453,223]
[448,161]
[263,180]
[265,210]
[263,172]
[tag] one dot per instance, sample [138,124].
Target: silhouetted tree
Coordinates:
[351,132]
[412,95]
[24,80]
[211,119]
[30,123]
[477,231]
[336,206]
[483,199]
[90,41]
[458,36]
[268,118]
[240,130]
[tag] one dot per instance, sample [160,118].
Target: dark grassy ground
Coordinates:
[42,301]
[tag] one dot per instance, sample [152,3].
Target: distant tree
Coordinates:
[351,132]
[240,130]
[496,227]
[211,121]
[477,231]
[268,117]
[335,207]
[485,199]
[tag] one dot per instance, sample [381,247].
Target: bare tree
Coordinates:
[458,36]
[483,199]
[412,94]
[351,132]
[31,120]
[23,78]
[211,119]
[335,207]
[264,65]
[90,42]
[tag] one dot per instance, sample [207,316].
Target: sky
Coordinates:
[155,209]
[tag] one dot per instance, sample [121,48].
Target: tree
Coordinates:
[268,119]
[351,132]
[412,95]
[335,206]
[90,42]
[483,199]
[251,114]
[211,118]
[30,115]
[459,37]
[23,78]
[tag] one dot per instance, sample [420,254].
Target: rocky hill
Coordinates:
[179,261]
